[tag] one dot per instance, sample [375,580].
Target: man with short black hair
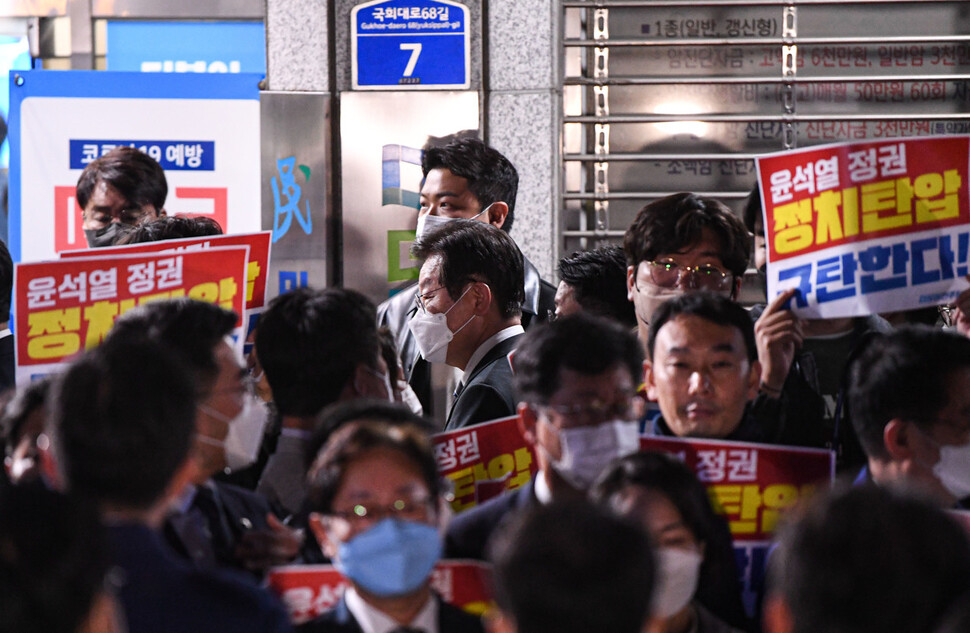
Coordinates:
[572,568]
[121,429]
[464,179]
[576,383]
[470,314]
[866,560]
[170,227]
[124,187]
[683,243]
[316,347]
[595,281]
[909,396]
[703,369]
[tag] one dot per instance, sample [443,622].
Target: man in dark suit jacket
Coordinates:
[215,523]
[471,291]
[576,380]
[121,428]
[340,620]
[464,179]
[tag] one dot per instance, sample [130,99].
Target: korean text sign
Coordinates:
[257,268]
[309,590]
[64,307]
[750,484]
[868,227]
[484,460]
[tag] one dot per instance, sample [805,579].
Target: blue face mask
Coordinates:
[392,558]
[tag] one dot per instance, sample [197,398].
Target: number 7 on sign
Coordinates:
[415,49]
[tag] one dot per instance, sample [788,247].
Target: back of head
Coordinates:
[53,560]
[598,279]
[122,420]
[135,174]
[674,223]
[902,374]
[170,227]
[490,175]
[867,559]
[573,568]
[709,306]
[583,343]
[308,343]
[189,327]
[471,250]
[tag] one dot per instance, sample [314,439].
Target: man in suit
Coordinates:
[469,314]
[215,523]
[464,179]
[576,379]
[121,429]
[376,507]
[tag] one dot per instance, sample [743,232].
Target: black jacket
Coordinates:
[396,312]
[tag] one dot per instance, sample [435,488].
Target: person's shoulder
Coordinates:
[451,619]
[468,533]
[230,597]
[707,622]
[397,306]
[336,619]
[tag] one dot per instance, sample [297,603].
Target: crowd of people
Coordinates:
[153,483]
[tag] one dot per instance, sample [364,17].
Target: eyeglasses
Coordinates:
[629,407]
[947,314]
[416,508]
[668,274]
[421,298]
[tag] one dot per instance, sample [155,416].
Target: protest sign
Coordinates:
[868,227]
[484,460]
[257,266]
[309,590]
[66,306]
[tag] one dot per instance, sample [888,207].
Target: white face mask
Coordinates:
[409,398]
[431,332]
[677,574]
[428,222]
[384,378]
[241,446]
[587,450]
[953,469]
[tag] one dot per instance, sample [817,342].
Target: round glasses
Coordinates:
[670,274]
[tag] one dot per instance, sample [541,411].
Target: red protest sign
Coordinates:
[821,197]
[63,307]
[257,268]
[484,460]
[309,590]
[750,484]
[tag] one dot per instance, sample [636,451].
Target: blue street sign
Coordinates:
[410,45]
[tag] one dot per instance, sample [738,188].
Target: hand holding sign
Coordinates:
[778,333]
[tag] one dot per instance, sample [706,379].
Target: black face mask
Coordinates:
[104,237]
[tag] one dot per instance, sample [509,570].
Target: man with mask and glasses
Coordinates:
[376,507]
[576,380]
[470,315]
[464,179]
[215,523]
[122,189]
[909,396]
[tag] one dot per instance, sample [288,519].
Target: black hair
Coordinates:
[490,175]
[122,420]
[753,212]
[476,251]
[137,177]
[573,568]
[718,587]
[53,560]
[339,414]
[598,278]
[6,281]
[580,342]
[867,559]
[675,223]
[710,307]
[358,437]
[170,227]
[902,374]
[190,328]
[16,411]
[310,341]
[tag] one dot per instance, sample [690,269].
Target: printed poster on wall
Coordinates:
[868,227]
[202,129]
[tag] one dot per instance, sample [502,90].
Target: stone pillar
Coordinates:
[297,45]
